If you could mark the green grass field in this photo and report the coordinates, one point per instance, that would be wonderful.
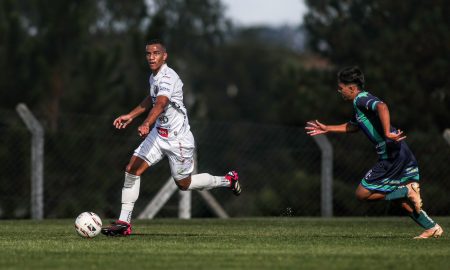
(263, 243)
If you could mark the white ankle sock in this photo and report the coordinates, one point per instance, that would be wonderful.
(130, 193)
(207, 181)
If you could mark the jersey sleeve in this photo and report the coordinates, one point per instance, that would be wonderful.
(166, 86)
(368, 102)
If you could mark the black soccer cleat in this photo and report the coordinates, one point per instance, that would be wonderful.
(117, 228)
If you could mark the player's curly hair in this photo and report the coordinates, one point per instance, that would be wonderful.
(351, 75)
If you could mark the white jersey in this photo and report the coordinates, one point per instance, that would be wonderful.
(173, 121)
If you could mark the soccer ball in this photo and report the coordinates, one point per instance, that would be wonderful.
(88, 224)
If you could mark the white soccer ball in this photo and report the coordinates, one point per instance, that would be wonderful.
(88, 224)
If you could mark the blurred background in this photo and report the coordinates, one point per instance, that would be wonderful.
(254, 72)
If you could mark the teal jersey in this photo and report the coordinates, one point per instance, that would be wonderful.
(366, 118)
(397, 165)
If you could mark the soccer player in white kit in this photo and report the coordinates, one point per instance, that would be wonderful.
(167, 133)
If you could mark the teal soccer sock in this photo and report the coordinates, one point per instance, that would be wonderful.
(423, 220)
(399, 193)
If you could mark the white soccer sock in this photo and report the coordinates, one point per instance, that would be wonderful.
(130, 193)
(207, 181)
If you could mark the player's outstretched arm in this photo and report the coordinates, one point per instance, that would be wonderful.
(124, 120)
(385, 119)
(314, 128)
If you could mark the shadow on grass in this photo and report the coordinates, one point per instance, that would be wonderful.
(168, 234)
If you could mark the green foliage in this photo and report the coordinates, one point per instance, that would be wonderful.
(401, 46)
(87, 57)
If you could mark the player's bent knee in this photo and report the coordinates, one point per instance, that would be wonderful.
(361, 196)
(184, 183)
(136, 166)
(132, 170)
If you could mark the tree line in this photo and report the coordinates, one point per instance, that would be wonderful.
(87, 58)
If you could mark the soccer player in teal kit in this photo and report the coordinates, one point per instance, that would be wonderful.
(396, 174)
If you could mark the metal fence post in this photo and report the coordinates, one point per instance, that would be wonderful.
(326, 175)
(159, 200)
(37, 160)
(446, 135)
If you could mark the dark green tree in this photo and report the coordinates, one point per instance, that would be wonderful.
(402, 46)
(66, 56)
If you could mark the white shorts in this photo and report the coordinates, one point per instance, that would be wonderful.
(179, 150)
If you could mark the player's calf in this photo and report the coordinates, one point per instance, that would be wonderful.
(414, 196)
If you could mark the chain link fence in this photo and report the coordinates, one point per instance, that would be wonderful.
(279, 166)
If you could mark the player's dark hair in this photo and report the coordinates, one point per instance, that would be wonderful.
(156, 41)
(351, 75)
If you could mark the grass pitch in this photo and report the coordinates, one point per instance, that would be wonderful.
(262, 243)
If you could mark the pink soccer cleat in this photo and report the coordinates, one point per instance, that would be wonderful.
(233, 177)
(117, 228)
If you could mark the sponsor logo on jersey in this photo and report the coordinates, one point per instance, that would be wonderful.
(163, 132)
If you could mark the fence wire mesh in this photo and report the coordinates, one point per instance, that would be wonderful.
(279, 166)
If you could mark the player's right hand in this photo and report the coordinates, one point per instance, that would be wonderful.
(314, 128)
(122, 121)
(144, 130)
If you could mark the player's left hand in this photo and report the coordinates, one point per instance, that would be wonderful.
(143, 130)
(396, 136)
